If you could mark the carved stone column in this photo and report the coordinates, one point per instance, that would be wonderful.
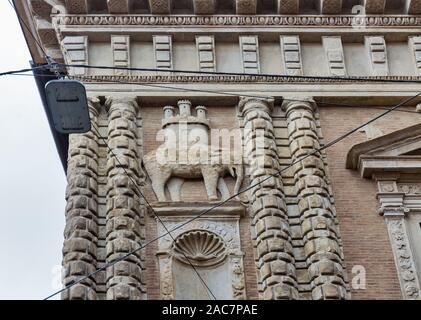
(125, 208)
(319, 230)
(272, 238)
(394, 210)
(81, 230)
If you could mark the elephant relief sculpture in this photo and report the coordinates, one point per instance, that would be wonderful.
(213, 164)
(173, 174)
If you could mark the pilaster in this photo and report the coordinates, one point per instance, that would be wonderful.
(125, 208)
(270, 227)
(394, 210)
(81, 229)
(317, 216)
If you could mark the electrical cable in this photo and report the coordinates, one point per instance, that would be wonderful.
(16, 72)
(52, 64)
(259, 75)
(81, 78)
(153, 210)
(318, 150)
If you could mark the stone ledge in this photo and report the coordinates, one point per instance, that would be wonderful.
(231, 208)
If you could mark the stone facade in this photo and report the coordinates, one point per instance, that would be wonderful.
(307, 221)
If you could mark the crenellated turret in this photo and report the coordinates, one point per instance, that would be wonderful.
(187, 127)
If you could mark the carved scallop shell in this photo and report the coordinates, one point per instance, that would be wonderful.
(201, 248)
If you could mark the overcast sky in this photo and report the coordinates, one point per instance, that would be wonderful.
(32, 180)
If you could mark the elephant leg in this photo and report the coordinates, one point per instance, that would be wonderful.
(174, 186)
(223, 188)
(158, 184)
(210, 177)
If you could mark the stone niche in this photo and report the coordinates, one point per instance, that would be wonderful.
(210, 243)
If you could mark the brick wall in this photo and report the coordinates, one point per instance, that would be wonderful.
(364, 233)
(220, 117)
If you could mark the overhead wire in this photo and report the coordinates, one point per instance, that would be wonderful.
(253, 75)
(279, 172)
(219, 92)
(153, 211)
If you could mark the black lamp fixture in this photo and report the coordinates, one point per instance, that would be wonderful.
(68, 106)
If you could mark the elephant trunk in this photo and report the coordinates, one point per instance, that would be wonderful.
(238, 172)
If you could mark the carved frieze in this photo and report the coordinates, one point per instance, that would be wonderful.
(410, 188)
(234, 20)
(403, 257)
(234, 79)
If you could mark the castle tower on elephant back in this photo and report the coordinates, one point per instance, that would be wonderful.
(185, 128)
(289, 221)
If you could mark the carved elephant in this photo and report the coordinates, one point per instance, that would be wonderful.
(212, 175)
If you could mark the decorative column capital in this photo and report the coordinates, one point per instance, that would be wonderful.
(291, 103)
(391, 199)
(247, 104)
(121, 103)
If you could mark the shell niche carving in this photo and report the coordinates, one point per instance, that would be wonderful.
(202, 248)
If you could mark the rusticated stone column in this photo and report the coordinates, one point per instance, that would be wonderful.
(270, 227)
(125, 209)
(81, 230)
(317, 216)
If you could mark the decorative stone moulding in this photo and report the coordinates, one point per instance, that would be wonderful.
(385, 159)
(234, 20)
(201, 248)
(203, 7)
(236, 79)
